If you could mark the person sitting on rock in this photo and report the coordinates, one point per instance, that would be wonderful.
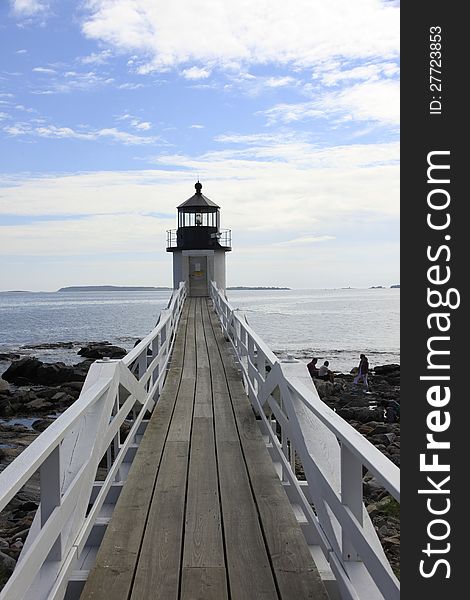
(312, 368)
(324, 372)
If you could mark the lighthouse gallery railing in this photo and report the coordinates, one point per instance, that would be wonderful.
(68, 455)
(297, 424)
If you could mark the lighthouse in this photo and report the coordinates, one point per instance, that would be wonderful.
(199, 245)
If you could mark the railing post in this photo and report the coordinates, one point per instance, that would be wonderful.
(156, 371)
(142, 363)
(351, 495)
(50, 478)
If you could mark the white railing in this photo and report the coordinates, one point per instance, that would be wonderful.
(85, 441)
(329, 504)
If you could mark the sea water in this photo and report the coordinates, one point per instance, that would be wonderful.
(333, 324)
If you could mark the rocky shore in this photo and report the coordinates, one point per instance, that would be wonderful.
(375, 414)
(33, 393)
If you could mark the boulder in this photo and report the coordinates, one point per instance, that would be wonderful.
(5, 407)
(38, 404)
(7, 563)
(41, 425)
(9, 356)
(54, 373)
(363, 415)
(30, 370)
(387, 369)
(324, 388)
(382, 438)
(23, 370)
(97, 350)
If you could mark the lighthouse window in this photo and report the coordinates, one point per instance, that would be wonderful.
(198, 219)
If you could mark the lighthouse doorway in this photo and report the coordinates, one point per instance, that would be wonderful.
(198, 276)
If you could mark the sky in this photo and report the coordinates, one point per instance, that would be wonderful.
(287, 112)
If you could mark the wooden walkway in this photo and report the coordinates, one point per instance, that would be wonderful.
(203, 514)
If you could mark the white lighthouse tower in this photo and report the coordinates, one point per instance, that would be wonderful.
(199, 245)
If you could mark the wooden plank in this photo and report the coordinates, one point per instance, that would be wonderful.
(249, 568)
(295, 572)
(116, 561)
(158, 569)
(180, 428)
(204, 583)
(159, 566)
(203, 544)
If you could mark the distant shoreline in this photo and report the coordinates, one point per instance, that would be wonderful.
(260, 287)
(111, 288)
(117, 288)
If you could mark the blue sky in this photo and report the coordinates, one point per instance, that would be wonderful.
(287, 112)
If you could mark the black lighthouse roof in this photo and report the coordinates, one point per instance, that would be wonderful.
(198, 201)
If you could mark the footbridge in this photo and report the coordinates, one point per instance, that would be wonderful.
(200, 466)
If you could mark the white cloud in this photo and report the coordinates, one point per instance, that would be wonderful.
(343, 200)
(348, 180)
(372, 101)
(307, 239)
(22, 51)
(196, 126)
(130, 86)
(142, 125)
(28, 8)
(44, 70)
(54, 132)
(275, 82)
(23, 108)
(135, 122)
(87, 236)
(196, 73)
(62, 83)
(226, 33)
(367, 72)
(3, 115)
(96, 58)
(17, 129)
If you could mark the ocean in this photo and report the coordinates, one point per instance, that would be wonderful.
(334, 324)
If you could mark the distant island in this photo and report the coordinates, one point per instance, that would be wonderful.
(397, 285)
(376, 287)
(244, 287)
(111, 288)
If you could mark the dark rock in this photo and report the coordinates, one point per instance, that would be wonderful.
(75, 386)
(97, 350)
(39, 404)
(386, 369)
(7, 563)
(54, 373)
(41, 425)
(382, 438)
(30, 370)
(5, 407)
(324, 388)
(9, 356)
(380, 428)
(22, 370)
(52, 346)
(363, 415)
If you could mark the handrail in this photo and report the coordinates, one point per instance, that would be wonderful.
(70, 451)
(298, 425)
